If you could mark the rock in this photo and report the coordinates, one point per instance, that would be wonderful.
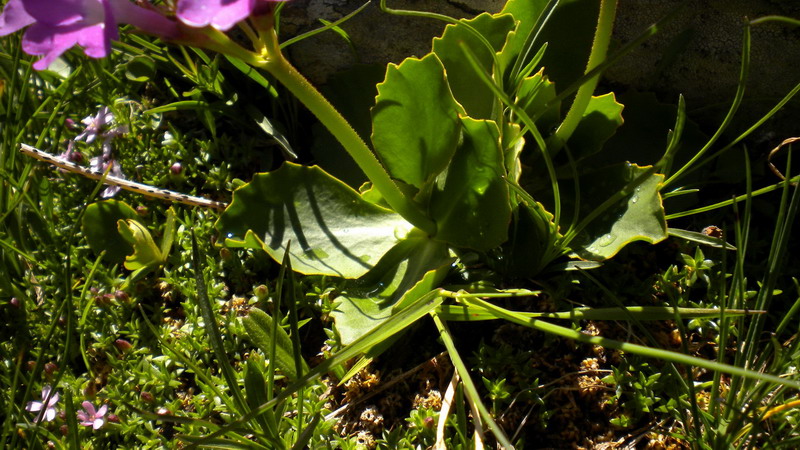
(697, 54)
(376, 37)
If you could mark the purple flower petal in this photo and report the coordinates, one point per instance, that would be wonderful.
(220, 14)
(34, 406)
(51, 42)
(91, 417)
(14, 18)
(57, 25)
(47, 412)
(62, 12)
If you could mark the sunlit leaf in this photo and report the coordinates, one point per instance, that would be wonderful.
(146, 253)
(639, 216)
(332, 230)
(259, 329)
(470, 201)
(415, 126)
(476, 98)
(412, 269)
(99, 225)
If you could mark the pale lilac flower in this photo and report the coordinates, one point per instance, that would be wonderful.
(94, 125)
(90, 417)
(100, 164)
(58, 25)
(97, 126)
(220, 14)
(46, 408)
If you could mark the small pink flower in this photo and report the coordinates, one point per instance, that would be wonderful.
(90, 417)
(46, 408)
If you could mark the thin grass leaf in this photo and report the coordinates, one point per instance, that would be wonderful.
(649, 352)
(471, 313)
(469, 386)
(210, 324)
(700, 238)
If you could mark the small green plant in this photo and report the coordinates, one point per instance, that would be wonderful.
(487, 162)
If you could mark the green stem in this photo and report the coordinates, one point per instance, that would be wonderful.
(309, 96)
(602, 37)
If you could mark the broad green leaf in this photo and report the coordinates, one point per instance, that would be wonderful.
(412, 269)
(415, 126)
(99, 225)
(639, 216)
(468, 89)
(146, 254)
(259, 329)
(470, 201)
(600, 121)
(332, 230)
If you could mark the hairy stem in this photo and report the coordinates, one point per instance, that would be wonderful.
(602, 37)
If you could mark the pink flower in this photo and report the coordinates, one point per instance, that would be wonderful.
(90, 417)
(220, 14)
(46, 408)
(58, 25)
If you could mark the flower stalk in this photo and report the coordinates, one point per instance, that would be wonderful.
(602, 38)
(296, 83)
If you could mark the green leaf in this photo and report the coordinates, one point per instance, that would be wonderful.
(169, 234)
(526, 13)
(639, 216)
(412, 269)
(140, 68)
(470, 202)
(468, 89)
(700, 238)
(146, 254)
(533, 94)
(332, 229)
(99, 225)
(415, 126)
(600, 121)
(532, 241)
(259, 328)
(271, 130)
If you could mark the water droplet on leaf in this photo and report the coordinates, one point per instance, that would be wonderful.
(605, 240)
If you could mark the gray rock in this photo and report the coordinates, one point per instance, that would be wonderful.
(376, 37)
(697, 54)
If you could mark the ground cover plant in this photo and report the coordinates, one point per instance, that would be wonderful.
(179, 273)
